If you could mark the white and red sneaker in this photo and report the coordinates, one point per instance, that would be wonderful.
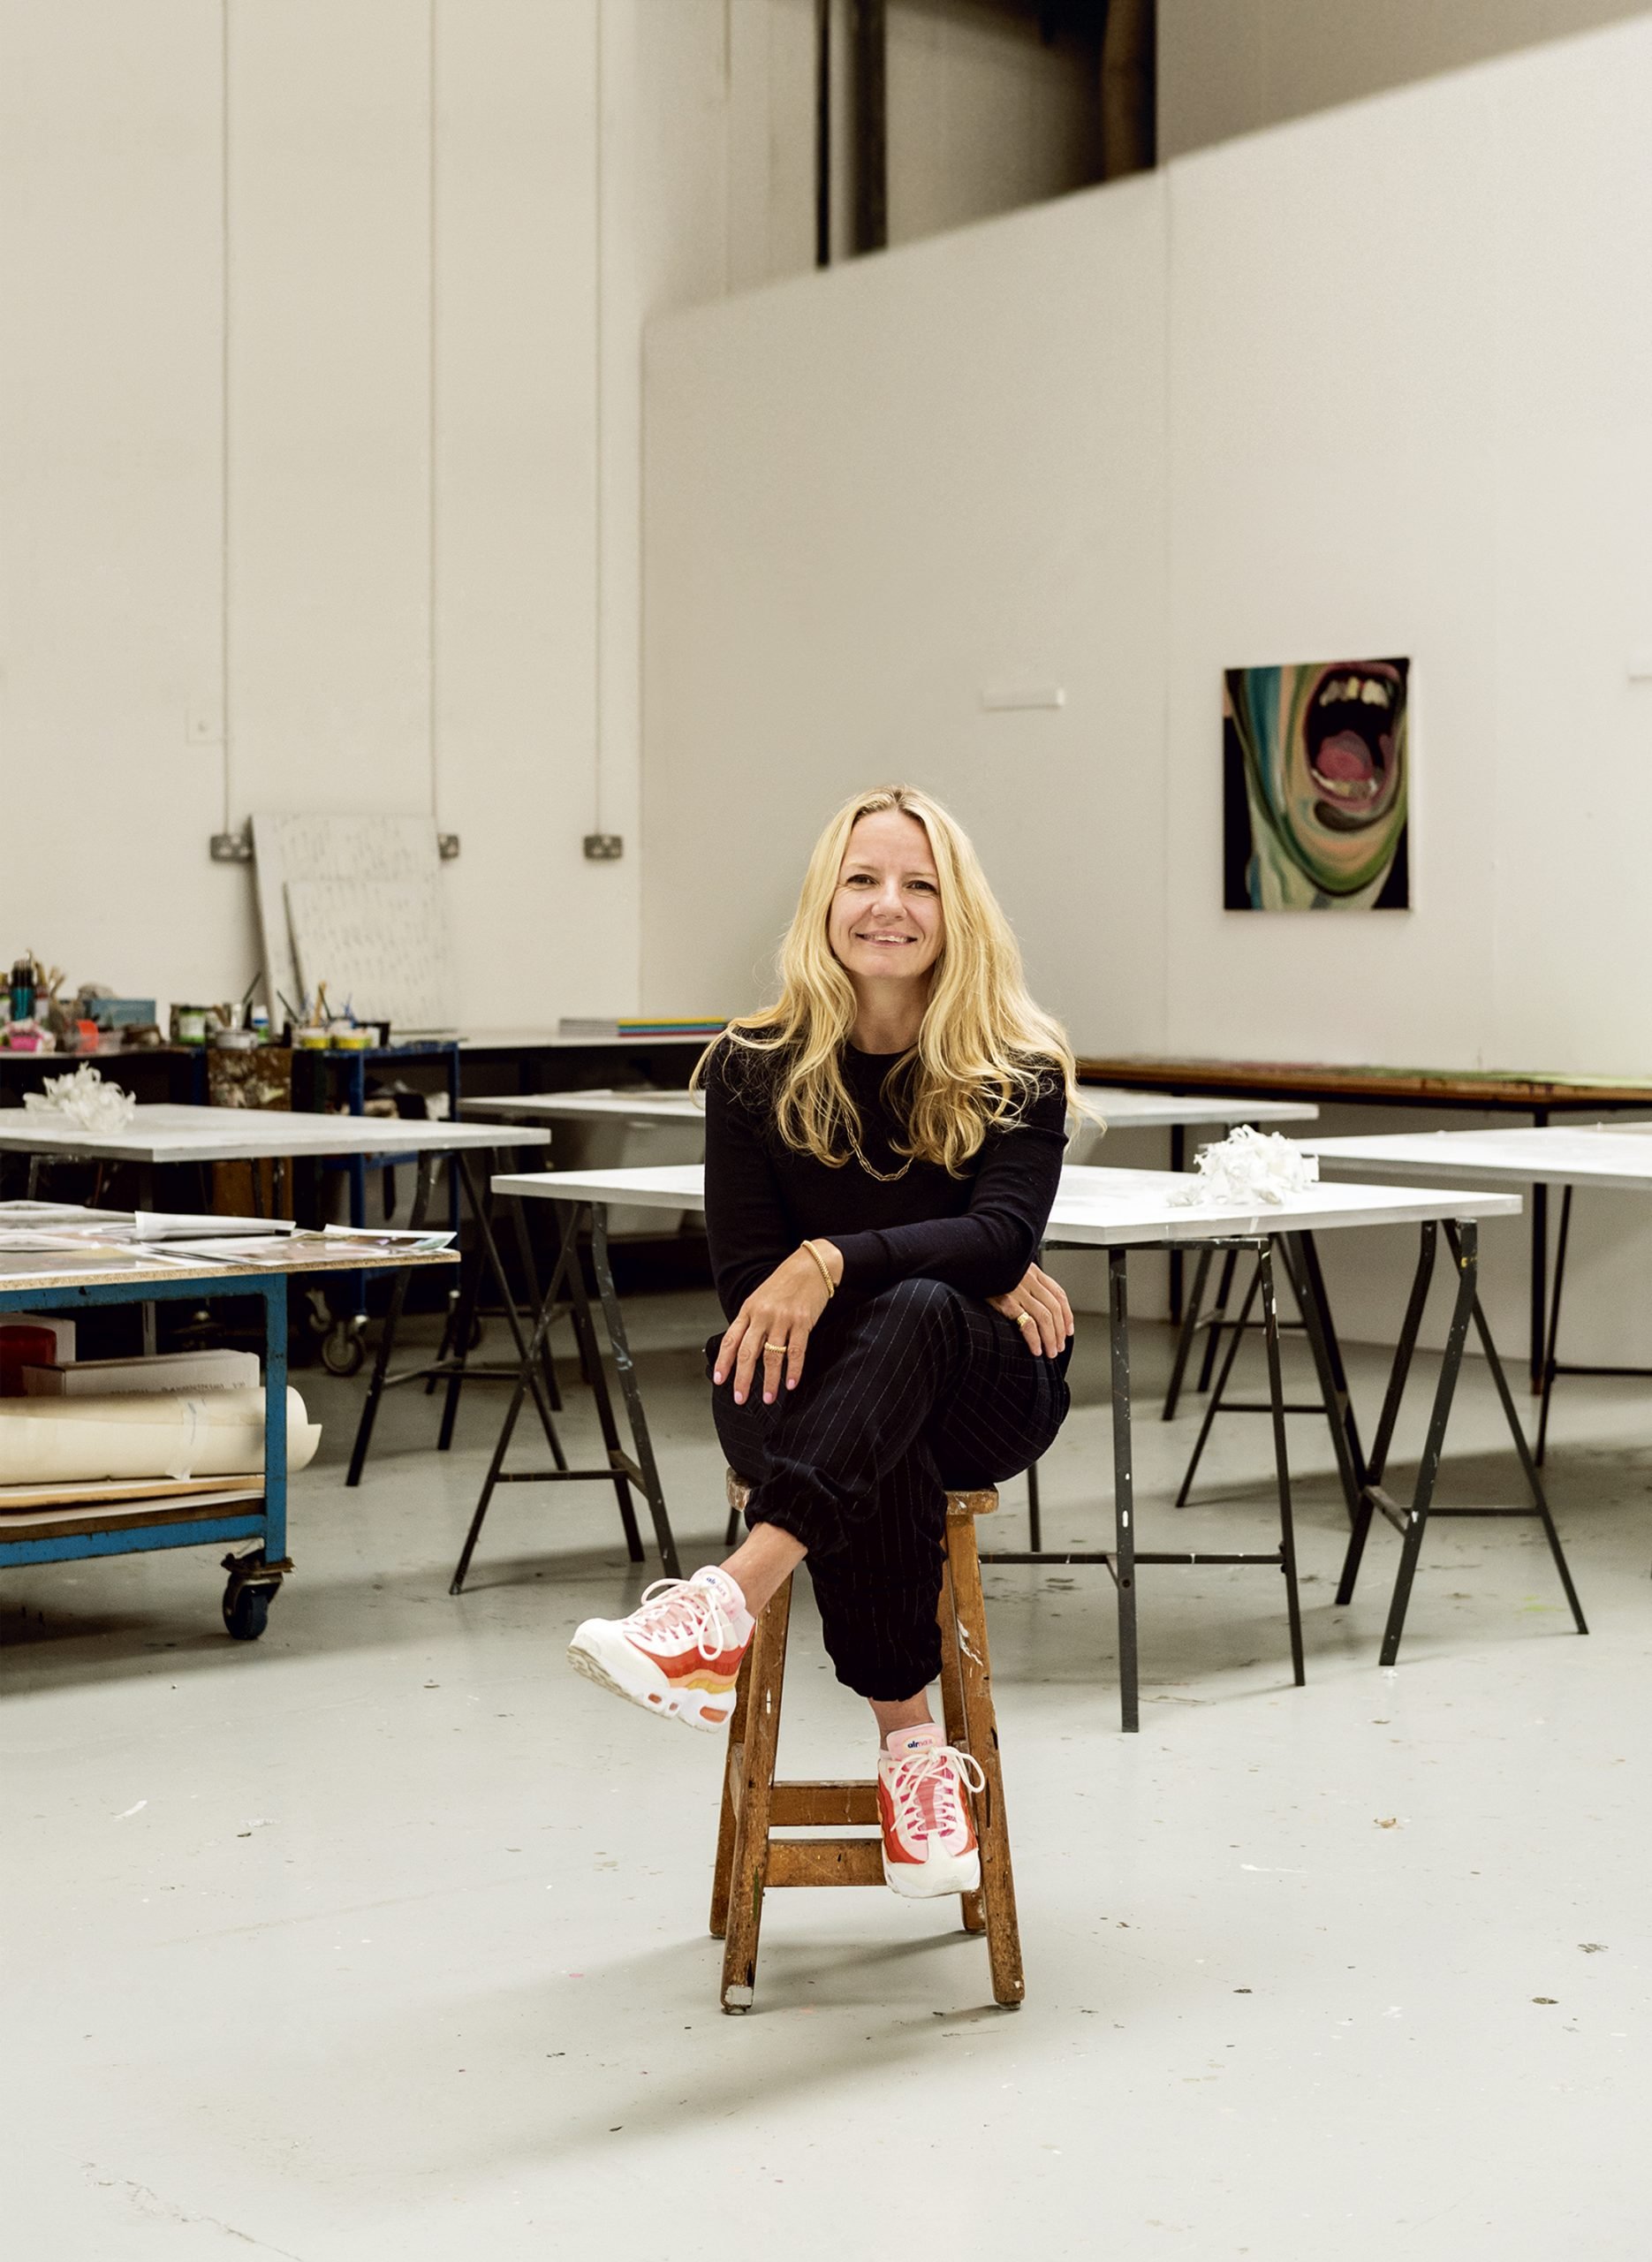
(928, 1833)
(679, 1651)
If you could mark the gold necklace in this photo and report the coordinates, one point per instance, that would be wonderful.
(883, 1177)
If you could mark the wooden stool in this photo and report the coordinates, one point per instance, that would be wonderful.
(751, 1859)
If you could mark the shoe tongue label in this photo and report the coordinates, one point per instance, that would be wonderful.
(909, 1740)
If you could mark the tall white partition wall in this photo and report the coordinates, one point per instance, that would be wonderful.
(1406, 349)
(874, 500)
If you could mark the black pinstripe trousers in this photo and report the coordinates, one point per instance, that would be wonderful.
(905, 1395)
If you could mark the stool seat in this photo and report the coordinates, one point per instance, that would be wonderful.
(751, 1859)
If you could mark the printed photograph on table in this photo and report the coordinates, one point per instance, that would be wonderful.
(1315, 787)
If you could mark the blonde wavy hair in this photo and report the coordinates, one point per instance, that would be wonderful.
(984, 1048)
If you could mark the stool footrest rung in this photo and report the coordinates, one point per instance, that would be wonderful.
(822, 1806)
(824, 1861)
(753, 1852)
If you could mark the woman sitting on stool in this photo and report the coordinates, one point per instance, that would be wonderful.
(883, 1146)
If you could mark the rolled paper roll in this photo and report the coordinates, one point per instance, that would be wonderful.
(172, 1434)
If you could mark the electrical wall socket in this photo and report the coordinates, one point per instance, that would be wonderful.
(603, 848)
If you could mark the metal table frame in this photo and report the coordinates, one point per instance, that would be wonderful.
(624, 1470)
(1124, 1559)
(1362, 1476)
(452, 1363)
(1542, 1099)
(264, 1563)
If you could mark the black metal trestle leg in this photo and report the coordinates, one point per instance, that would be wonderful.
(1185, 1333)
(1539, 1498)
(625, 1367)
(1368, 1479)
(1214, 1404)
(1551, 1339)
(501, 1444)
(1281, 1461)
(1219, 1317)
(1412, 1522)
(452, 1356)
(387, 1335)
(1124, 1492)
(591, 1362)
(1433, 1443)
(620, 1469)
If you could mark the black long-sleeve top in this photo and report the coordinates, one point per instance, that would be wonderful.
(979, 1232)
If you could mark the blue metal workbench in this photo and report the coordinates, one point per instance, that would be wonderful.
(255, 1526)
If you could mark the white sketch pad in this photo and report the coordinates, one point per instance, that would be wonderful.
(325, 847)
(379, 946)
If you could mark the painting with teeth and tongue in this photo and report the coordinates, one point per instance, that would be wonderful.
(1314, 787)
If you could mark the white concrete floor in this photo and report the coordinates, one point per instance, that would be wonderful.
(384, 1937)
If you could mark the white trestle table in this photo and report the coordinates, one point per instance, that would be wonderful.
(69, 1523)
(1179, 1112)
(1118, 1211)
(165, 1133)
(1120, 1110)
(1610, 1157)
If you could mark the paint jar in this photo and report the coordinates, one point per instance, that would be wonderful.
(311, 1039)
(189, 1024)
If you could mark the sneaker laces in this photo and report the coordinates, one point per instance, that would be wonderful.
(926, 1780)
(686, 1607)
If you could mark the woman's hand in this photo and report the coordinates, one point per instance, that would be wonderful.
(1039, 1307)
(773, 1325)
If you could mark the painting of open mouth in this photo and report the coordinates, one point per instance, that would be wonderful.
(1315, 787)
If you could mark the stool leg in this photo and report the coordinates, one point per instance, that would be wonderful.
(723, 1872)
(998, 1876)
(952, 1712)
(750, 1865)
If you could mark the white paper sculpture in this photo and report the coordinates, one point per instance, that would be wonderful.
(1248, 1168)
(86, 1099)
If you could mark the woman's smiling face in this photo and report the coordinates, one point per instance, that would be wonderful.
(885, 922)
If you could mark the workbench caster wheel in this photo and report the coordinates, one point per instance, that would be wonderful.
(343, 1347)
(245, 1611)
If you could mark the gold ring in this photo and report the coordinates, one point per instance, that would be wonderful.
(774, 1347)
(1026, 1319)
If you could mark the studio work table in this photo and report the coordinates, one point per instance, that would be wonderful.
(250, 1513)
(1611, 1158)
(1121, 1111)
(1488, 1092)
(165, 1132)
(1118, 1211)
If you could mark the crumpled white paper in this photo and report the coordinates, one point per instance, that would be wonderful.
(1248, 1169)
(86, 1099)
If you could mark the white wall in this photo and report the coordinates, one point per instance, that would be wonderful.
(870, 495)
(1408, 361)
(320, 430)
(1231, 66)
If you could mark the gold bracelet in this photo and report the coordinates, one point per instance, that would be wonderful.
(831, 1286)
